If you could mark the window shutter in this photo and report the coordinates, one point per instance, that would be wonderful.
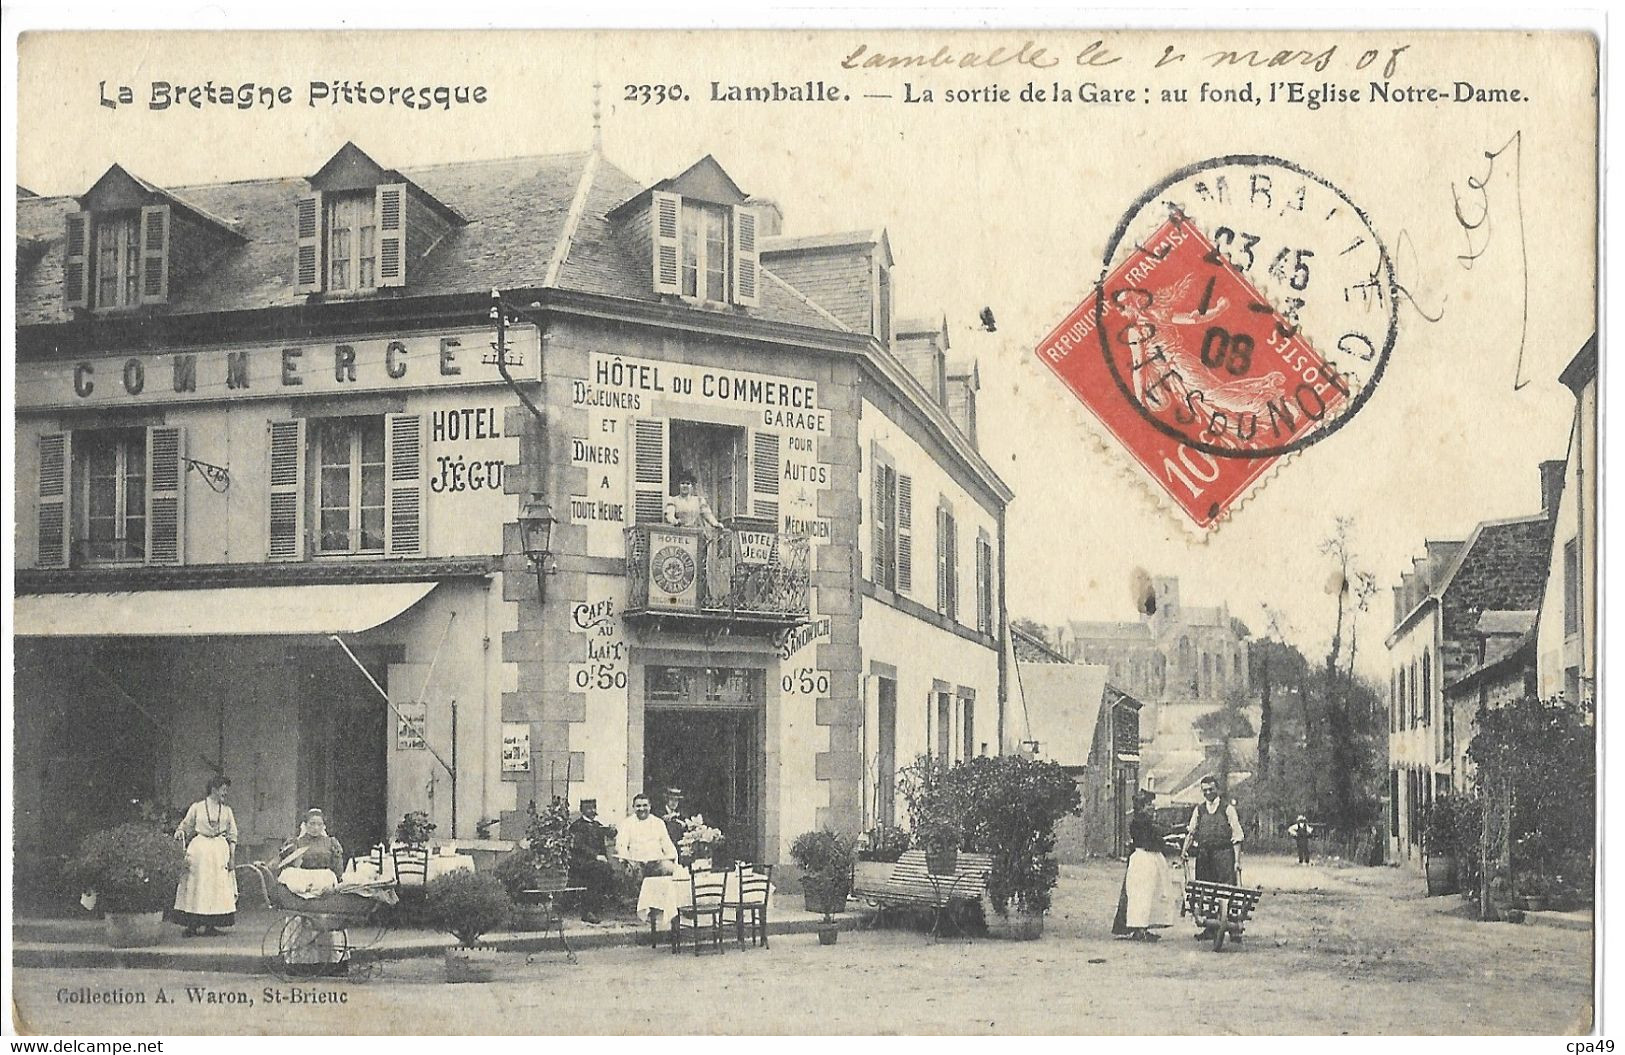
(747, 265)
(942, 561)
(307, 265)
(952, 558)
(391, 203)
(55, 484)
(905, 533)
(665, 232)
(287, 498)
(880, 514)
(155, 254)
(649, 491)
(166, 491)
(75, 270)
(403, 467)
(765, 470)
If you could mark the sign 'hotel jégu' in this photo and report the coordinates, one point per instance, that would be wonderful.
(315, 368)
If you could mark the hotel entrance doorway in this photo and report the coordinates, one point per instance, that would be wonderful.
(703, 731)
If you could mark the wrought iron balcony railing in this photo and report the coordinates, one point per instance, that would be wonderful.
(749, 576)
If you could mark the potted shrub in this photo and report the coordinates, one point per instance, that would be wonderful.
(467, 905)
(414, 829)
(1439, 839)
(825, 859)
(132, 871)
(519, 872)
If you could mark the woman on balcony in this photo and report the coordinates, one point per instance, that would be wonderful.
(688, 508)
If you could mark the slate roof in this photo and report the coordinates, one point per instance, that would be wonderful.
(1030, 649)
(1082, 631)
(518, 211)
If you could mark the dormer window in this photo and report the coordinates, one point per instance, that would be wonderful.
(117, 254)
(704, 251)
(352, 241)
(362, 225)
(117, 259)
(352, 244)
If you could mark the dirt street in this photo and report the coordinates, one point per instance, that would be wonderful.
(1333, 950)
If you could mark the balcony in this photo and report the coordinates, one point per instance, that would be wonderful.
(738, 577)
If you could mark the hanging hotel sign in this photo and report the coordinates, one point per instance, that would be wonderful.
(674, 570)
(312, 368)
(756, 547)
(411, 727)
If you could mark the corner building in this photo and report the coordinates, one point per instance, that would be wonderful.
(270, 472)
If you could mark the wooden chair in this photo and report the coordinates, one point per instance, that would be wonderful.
(411, 870)
(706, 890)
(750, 899)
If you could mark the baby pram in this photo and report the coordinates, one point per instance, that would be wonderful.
(316, 936)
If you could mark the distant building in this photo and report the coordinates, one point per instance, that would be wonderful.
(1460, 617)
(1181, 661)
(1566, 636)
(1070, 713)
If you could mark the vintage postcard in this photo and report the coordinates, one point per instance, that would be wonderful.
(998, 531)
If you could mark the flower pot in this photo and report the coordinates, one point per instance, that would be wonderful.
(478, 964)
(1016, 925)
(942, 862)
(1441, 874)
(131, 930)
(828, 933)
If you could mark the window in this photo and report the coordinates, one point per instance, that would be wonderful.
(1571, 586)
(1427, 688)
(114, 480)
(1393, 702)
(111, 495)
(891, 512)
(886, 753)
(1401, 716)
(984, 584)
(967, 719)
(704, 251)
(116, 260)
(1416, 711)
(737, 470)
(947, 562)
(352, 245)
(349, 454)
(945, 726)
(346, 485)
(352, 241)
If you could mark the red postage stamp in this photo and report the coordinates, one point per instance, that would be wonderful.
(1187, 364)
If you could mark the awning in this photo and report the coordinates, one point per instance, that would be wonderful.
(1063, 706)
(229, 612)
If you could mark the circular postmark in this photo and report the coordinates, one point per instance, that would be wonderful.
(1246, 307)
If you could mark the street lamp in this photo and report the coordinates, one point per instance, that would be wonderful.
(536, 533)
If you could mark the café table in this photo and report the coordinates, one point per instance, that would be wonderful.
(660, 897)
(362, 869)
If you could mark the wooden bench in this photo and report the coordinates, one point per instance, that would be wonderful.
(910, 885)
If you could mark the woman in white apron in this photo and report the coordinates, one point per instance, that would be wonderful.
(1147, 899)
(207, 896)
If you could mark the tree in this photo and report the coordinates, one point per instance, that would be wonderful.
(1033, 628)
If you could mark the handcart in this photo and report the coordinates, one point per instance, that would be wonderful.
(1219, 910)
(320, 936)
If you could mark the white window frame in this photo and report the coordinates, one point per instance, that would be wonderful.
(702, 251)
(363, 206)
(123, 441)
(356, 467)
(129, 263)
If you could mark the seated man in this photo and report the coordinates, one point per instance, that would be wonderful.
(589, 861)
(642, 841)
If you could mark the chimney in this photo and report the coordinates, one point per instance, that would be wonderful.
(770, 218)
(1551, 485)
